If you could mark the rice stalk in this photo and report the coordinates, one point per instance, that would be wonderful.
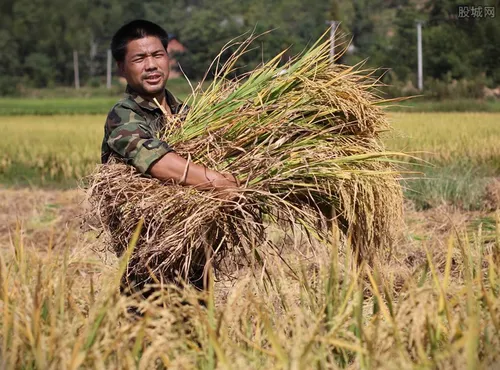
(257, 325)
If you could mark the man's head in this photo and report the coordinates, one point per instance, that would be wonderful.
(140, 51)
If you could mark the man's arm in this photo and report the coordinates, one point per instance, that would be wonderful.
(173, 167)
(130, 140)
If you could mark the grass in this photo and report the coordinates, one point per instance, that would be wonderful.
(67, 101)
(417, 104)
(462, 154)
(459, 183)
(56, 106)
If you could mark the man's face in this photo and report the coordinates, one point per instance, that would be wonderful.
(146, 66)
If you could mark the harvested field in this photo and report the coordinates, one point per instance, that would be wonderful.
(422, 309)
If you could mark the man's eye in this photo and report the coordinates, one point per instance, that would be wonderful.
(159, 55)
(137, 60)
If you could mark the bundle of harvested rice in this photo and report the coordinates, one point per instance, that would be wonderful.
(305, 142)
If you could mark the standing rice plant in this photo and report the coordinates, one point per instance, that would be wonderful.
(60, 308)
(304, 140)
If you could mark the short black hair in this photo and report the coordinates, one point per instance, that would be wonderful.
(134, 30)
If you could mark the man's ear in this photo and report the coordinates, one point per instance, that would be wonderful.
(121, 68)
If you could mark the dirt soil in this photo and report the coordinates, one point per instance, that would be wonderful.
(41, 218)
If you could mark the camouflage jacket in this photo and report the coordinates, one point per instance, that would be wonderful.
(131, 131)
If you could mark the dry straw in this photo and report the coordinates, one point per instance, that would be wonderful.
(304, 140)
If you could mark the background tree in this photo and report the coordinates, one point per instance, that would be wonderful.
(37, 37)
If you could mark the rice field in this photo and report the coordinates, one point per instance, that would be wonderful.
(434, 305)
(55, 150)
(462, 157)
(448, 137)
(44, 150)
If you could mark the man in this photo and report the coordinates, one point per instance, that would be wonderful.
(140, 51)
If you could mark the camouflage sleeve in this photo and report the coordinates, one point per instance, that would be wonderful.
(130, 138)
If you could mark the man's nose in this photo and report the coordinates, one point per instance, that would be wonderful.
(150, 63)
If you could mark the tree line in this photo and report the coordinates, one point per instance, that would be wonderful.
(38, 37)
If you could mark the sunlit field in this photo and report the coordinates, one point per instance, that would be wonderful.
(55, 150)
(49, 149)
(461, 153)
(434, 305)
(448, 137)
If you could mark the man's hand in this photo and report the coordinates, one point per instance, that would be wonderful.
(231, 193)
(223, 181)
(228, 192)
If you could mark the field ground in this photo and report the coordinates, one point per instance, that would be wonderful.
(67, 100)
(53, 216)
(434, 305)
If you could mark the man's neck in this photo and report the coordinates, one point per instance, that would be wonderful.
(162, 99)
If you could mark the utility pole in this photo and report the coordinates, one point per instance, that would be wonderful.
(333, 28)
(75, 68)
(108, 71)
(419, 51)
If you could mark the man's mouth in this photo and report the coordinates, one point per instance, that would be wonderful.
(153, 78)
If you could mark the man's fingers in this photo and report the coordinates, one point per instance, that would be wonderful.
(232, 178)
(228, 194)
(237, 180)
